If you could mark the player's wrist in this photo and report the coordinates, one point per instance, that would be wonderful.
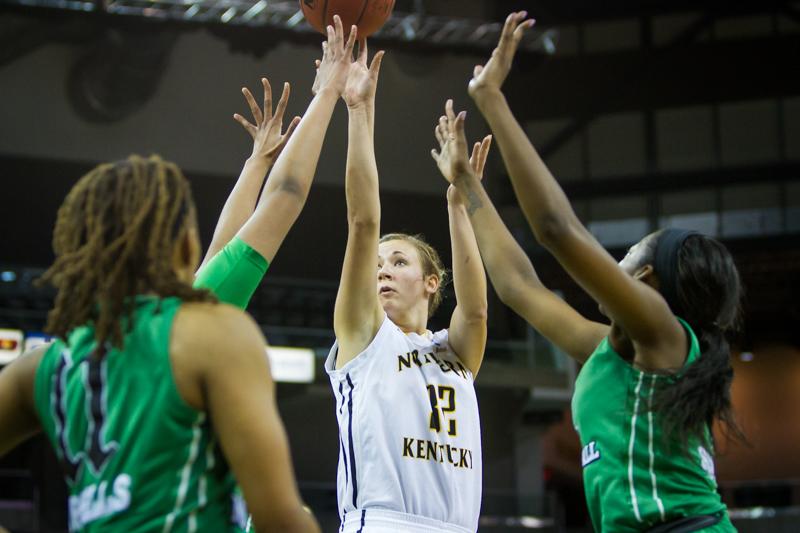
(484, 95)
(361, 107)
(259, 159)
(461, 178)
(329, 92)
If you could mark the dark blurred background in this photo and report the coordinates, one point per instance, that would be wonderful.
(650, 113)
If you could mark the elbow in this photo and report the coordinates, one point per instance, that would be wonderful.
(513, 290)
(294, 187)
(550, 229)
(477, 314)
(504, 292)
(508, 295)
(507, 282)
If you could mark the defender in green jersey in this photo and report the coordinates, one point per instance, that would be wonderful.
(653, 383)
(155, 396)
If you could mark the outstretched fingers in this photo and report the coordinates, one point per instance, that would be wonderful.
(375, 66)
(292, 125)
(519, 31)
(476, 150)
(449, 113)
(441, 131)
(249, 128)
(338, 32)
(283, 102)
(513, 30)
(457, 129)
(253, 105)
(329, 46)
(362, 52)
(267, 98)
(351, 42)
(480, 152)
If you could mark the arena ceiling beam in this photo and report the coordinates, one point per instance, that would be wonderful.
(661, 182)
(580, 11)
(20, 37)
(584, 87)
(452, 33)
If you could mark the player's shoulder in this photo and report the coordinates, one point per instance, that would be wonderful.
(211, 313)
(204, 326)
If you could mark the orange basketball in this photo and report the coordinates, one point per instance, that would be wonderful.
(368, 15)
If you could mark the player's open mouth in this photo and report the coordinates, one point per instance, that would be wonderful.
(386, 290)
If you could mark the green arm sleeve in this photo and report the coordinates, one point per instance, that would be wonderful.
(233, 274)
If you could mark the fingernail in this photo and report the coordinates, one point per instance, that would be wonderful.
(523, 13)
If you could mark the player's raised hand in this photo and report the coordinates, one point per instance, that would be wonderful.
(480, 151)
(268, 141)
(451, 157)
(362, 80)
(490, 77)
(337, 55)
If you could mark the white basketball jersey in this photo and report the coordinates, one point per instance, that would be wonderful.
(410, 439)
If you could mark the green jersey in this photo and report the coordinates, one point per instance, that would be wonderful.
(136, 457)
(633, 478)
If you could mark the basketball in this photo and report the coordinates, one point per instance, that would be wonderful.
(368, 15)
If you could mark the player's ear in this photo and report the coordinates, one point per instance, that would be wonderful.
(432, 284)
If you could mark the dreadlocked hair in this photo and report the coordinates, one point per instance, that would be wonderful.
(708, 297)
(114, 238)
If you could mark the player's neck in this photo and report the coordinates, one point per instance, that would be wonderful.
(413, 321)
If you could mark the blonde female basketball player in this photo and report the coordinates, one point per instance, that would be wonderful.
(410, 448)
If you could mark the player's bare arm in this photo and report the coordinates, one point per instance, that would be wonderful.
(268, 142)
(358, 313)
(290, 180)
(18, 419)
(467, 332)
(638, 309)
(219, 361)
(510, 270)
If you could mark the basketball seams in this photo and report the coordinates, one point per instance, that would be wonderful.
(367, 15)
(364, 5)
(324, 18)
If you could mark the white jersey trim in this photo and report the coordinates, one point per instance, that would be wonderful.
(634, 501)
(384, 520)
(183, 488)
(650, 449)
